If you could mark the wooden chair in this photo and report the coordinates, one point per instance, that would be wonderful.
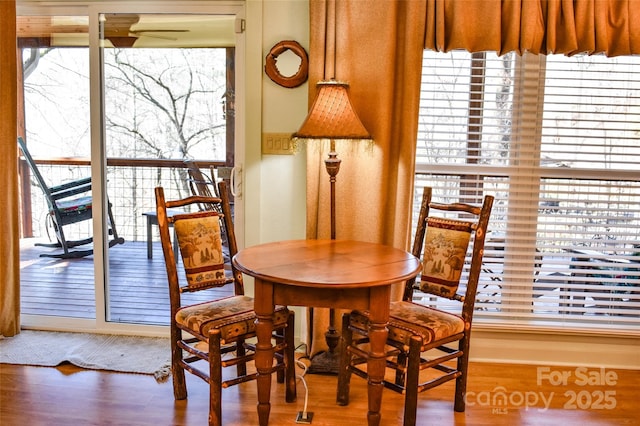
(68, 203)
(415, 329)
(217, 331)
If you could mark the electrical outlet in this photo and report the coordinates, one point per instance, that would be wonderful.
(304, 420)
(277, 144)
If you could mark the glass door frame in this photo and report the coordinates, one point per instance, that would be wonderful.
(98, 150)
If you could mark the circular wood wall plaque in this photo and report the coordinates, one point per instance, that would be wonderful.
(273, 72)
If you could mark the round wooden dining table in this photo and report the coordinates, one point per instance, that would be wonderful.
(330, 274)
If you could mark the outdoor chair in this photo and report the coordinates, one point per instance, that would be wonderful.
(68, 203)
(221, 331)
(201, 184)
(424, 337)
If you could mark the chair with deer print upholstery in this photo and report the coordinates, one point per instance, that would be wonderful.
(219, 331)
(442, 242)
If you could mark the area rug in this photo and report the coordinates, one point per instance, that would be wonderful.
(129, 354)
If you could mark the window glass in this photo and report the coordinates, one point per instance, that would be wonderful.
(555, 140)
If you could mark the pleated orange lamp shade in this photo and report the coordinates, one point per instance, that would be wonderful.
(332, 116)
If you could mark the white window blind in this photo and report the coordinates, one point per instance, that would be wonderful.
(557, 141)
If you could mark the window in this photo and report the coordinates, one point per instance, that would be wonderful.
(556, 140)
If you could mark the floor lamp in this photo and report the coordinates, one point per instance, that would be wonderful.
(332, 118)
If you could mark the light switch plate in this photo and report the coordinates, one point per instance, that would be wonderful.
(277, 144)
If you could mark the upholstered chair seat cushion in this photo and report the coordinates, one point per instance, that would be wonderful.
(233, 316)
(75, 205)
(408, 319)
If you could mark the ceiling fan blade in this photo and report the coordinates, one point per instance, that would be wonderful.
(119, 25)
(137, 34)
(158, 31)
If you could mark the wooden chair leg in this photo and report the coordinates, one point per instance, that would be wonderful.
(241, 368)
(177, 371)
(281, 374)
(281, 337)
(461, 381)
(215, 379)
(290, 359)
(401, 372)
(344, 374)
(411, 385)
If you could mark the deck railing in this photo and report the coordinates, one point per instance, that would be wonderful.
(130, 188)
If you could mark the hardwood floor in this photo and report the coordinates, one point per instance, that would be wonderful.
(67, 395)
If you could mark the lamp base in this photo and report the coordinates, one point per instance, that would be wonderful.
(325, 363)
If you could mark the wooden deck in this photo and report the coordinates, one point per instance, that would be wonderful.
(138, 291)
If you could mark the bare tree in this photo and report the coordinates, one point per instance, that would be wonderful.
(170, 107)
(163, 104)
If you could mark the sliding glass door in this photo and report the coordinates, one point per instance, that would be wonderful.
(123, 93)
(166, 82)
(55, 125)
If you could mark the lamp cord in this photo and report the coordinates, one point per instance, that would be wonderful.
(306, 388)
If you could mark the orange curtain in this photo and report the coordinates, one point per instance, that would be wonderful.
(566, 27)
(381, 60)
(9, 243)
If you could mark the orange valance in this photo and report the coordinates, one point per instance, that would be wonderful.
(565, 27)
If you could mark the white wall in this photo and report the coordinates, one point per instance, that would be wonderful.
(274, 185)
(283, 177)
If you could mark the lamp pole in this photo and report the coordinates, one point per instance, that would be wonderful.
(332, 165)
(331, 117)
(332, 337)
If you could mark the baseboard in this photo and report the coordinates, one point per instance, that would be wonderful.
(545, 348)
